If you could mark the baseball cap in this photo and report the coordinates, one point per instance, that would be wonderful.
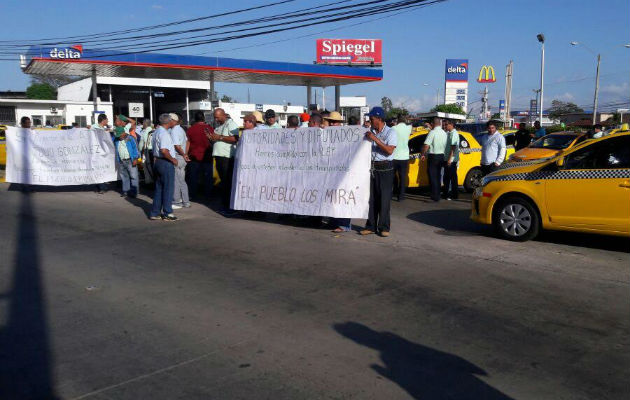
(377, 112)
(174, 116)
(251, 118)
(259, 116)
(270, 114)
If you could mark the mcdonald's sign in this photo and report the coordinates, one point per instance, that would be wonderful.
(486, 74)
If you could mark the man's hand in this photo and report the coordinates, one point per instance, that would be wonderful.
(496, 164)
(186, 158)
(423, 157)
(449, 162)
(174, 161)
(370, 136)
(134, 162)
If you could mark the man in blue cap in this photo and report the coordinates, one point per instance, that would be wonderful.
(384, 140)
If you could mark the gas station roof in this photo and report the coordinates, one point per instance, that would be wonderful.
(75, 61)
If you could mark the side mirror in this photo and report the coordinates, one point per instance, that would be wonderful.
(560, 162)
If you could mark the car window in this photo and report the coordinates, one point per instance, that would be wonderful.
(510, 138)
(612, 153)
(463, 143)
(415, 144)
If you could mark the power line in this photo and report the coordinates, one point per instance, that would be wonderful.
(121, 32)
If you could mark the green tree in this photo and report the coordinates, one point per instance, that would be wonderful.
(559, 108)
(227, 99)
(41, 91)
(387, 105)
(448, 108)
(396, 111)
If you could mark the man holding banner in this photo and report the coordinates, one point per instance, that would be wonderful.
(384, 140)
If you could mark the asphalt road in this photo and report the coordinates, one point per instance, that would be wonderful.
(97, 302)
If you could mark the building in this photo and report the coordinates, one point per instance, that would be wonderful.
(50, 113)
(585, 119)
(353, 106)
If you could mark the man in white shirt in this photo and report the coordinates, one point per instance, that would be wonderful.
(164, 167)
(180, 141)
(492, 149)
(224, 138)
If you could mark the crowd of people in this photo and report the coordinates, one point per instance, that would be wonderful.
(176, 160)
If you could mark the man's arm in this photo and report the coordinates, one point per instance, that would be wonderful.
(167, 154)
(388, 149)
(451, 154)
(502, 150)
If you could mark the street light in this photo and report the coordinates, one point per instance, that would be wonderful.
(595, 97)
(541, 39)
(437, 94)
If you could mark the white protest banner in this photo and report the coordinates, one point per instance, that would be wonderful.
(305, 171)
(60, 157)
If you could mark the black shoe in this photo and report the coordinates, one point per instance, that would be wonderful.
(123, 194)
(169, 217)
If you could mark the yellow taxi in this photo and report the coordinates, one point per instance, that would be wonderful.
(469, 170)
(585, 189)
(548, 146)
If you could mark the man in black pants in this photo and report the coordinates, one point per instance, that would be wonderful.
(224, 138)
(450, 190)
(384, 141)
(435, 146)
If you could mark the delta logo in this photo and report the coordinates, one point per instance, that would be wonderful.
(72, 52)
(458, 69)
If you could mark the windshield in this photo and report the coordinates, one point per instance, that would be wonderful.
(555, 142)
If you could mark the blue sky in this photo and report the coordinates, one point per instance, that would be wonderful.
(415, 44)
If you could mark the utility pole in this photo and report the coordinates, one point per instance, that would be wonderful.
(508, 90)
(541, 39)
(248, 97)
(484, 103)
(596, 90)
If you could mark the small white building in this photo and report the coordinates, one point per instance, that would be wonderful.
(238, 110)
(51, 112)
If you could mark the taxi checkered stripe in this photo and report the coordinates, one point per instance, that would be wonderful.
(468, 150)
(579, 174)
(517, 164)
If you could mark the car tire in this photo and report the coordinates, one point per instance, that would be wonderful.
(515, 218)
(473, 179)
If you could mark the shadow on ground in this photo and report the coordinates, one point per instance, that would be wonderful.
(25, 359)
(423, 372)
(450, 222)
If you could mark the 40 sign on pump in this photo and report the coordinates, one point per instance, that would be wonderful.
(350, 51)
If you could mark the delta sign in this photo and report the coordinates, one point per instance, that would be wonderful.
(350, 51)
(456, 83)
(72, 52)
(456, 70)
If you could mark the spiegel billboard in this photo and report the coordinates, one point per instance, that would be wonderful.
(350, 51)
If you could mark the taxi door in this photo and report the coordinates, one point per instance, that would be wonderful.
(417, 175)
(592, 189)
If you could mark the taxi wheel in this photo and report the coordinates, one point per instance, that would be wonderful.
(473, 180)
(516, 219)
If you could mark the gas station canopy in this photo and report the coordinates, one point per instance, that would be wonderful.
(75, 61)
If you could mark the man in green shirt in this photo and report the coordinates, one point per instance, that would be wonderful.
(224, 138)
(401, 157)
(451, 162)
(435, 146)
